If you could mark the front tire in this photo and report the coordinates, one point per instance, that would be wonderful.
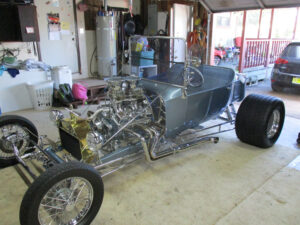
(259, 120)
(68, 193)
(12, 126)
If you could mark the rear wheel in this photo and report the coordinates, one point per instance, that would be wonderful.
(68, 193)
(19, 130)
(260, 120)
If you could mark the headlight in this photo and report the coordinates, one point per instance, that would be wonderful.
(94, 140)
(55, 115)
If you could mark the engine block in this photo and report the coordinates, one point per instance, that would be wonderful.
(128, 100)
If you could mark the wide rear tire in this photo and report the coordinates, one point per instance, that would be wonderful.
(68, 193)
(259, 120)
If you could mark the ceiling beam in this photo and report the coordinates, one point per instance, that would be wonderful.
(203, 3)
(261, 4)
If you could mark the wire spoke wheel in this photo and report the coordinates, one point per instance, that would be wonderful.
(19, 131)
(66, 194)
(67, 202)
(13, 133)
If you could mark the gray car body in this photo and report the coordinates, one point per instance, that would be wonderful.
(187, 107)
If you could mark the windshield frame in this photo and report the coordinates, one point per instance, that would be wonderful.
(184, 86)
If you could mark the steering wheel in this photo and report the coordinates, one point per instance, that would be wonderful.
(194, 80)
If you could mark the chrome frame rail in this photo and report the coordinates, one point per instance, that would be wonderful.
(149, 152)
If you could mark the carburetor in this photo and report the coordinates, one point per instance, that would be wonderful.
(120, 89)
(128, 100)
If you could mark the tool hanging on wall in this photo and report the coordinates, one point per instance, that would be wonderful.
(8, 56)
(196, 41)
(196, 37)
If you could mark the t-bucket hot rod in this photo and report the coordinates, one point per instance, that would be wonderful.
(152, 117)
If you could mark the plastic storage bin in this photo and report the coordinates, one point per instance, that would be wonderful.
(144, 58)
(41, 95)
(61, 75)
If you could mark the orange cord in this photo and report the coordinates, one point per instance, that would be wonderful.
(192, 38)
(195, 38)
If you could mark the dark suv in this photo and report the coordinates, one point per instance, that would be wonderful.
(286, 72)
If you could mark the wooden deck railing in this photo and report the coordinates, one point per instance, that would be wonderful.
(277, 48)
(262, 52)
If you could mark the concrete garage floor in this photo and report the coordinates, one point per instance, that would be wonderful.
(225, 183)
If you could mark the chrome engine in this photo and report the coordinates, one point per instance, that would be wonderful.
(118, 123)
(128, 100)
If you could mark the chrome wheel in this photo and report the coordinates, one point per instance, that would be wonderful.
(273, 124)
(16, 134)
(67, 202)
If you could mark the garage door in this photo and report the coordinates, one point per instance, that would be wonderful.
(234, 5)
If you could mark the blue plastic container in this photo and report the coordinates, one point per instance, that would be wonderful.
(143, 58)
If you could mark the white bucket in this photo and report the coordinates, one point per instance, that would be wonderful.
(61, 75)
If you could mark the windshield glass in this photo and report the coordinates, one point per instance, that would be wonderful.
(158, 58)
(292, 51)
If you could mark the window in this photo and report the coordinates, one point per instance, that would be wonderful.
(284, 23)
(252, 23)
(292, 51)
(265, 23)
(223, 19)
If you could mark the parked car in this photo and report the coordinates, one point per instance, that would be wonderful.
(286, 71)
(149, 118)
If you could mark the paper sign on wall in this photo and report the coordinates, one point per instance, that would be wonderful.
(54, 26)
(65, 28)
(30, 30)
(65, 25)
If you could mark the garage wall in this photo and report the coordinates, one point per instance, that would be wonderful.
(57, 53)
(14, 94)
(13, 91)
(26, 49)
(90, 47)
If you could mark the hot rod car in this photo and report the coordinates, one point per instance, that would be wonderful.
(152, 117)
